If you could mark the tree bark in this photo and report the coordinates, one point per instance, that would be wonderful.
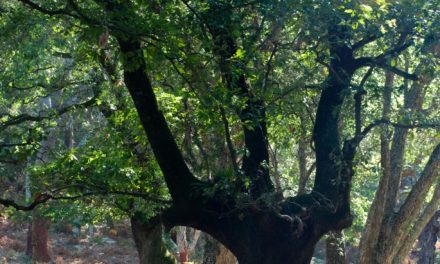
(377, 209)
(40, 239)
(417, 229)
(387, 245)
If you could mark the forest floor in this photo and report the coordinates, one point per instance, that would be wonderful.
(115, 247)
(107, 246)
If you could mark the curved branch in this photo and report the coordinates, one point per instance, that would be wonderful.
(49, 12)
(16, 120)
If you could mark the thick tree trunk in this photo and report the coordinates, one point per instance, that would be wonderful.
(335, 248)
(427, 241)
(148, 240)
(265, 238)
(40, 239)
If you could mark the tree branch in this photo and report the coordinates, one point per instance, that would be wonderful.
(179, 178)
(365, 41)
(229, 144)
(380, 61)
(408, 126)
(49, 12)
(15, 120)
(39, 200)
(45, 197)
(358, 102)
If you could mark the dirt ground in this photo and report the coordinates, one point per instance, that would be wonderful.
(114, 247)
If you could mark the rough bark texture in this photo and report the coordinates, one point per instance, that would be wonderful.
(335, 248)
(40, 239)
(418, 226)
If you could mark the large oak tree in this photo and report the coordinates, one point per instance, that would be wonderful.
(229, 55)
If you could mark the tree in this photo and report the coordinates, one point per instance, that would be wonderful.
(388, 218)
(229, 56)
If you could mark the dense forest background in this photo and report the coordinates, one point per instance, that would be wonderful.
(270, 132)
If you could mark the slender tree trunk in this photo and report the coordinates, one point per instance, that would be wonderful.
(377, 210)
(388, 245)
(29, 240)
(302, 159)
(335, 248)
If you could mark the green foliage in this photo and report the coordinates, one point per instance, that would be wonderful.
(282, 47)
